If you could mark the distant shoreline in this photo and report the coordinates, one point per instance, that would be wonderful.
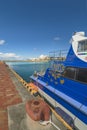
(24, 61)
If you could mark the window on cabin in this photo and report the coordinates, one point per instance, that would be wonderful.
(82, 75)
(69, 72)
(78, 74)
(82, 46)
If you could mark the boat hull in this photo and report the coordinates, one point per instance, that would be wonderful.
(78, 123)
(56, 101)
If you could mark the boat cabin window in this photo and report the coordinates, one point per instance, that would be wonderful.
(82, 75)
(82, 46)
(78, 74)
(69, 72)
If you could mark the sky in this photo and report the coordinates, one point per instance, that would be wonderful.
(31, 28)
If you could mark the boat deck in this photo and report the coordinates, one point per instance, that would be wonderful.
(13, 96)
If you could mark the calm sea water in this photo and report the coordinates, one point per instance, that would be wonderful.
(26, 69)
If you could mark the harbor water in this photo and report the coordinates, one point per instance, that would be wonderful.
(26, 69)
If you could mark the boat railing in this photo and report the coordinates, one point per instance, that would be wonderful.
(57, 59)
(58, 55)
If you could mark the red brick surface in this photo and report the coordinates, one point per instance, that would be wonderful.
(8, 95)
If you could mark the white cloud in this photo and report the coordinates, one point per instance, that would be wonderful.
(56, 38)
(2, 42)
(42, 56)
(5, 56)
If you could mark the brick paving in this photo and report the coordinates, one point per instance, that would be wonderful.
(8, 95)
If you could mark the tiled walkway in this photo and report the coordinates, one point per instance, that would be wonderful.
(8, 95)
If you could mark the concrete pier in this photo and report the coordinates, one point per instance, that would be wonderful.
(8, 95)
(12, 93)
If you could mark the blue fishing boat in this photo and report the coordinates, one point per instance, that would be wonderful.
(64, 85)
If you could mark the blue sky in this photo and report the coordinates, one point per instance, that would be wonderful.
(30, 28)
